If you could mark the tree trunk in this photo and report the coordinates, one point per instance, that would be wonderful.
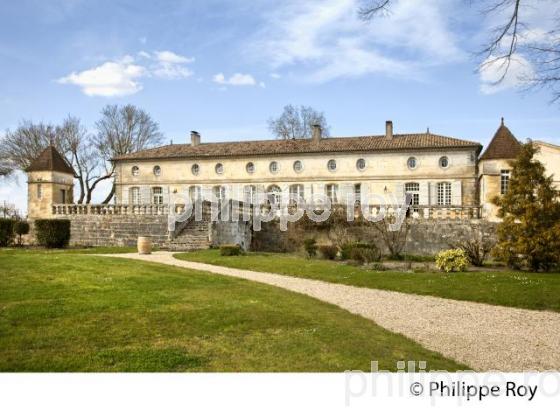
(110, 196)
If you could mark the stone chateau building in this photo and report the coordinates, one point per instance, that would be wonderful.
(450, 183)
(446, 177)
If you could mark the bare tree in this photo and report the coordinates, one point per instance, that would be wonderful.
(120, 131)
(297, 122)
(18, 148)
(76, 143)
(503, 45)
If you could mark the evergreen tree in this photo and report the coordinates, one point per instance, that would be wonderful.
(529, 235)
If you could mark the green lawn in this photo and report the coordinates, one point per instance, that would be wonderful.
(540, 291)
(61, 311)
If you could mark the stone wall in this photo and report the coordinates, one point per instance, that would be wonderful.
(116, 230)
(426, 237)
(239, 233)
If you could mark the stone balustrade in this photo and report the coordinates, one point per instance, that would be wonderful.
(89, 209)
(416, 211)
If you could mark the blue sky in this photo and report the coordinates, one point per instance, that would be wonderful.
(223, 68)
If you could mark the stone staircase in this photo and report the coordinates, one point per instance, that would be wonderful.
(190, 235)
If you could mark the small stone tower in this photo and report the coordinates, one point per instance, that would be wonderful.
(50, 180)
(494, 169)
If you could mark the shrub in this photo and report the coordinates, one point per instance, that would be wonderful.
(345, 251)
(52, 233)
(452, 260)
(329, 251)
(364, 254)
(360, 252)
(230, 250)
(310, 246)
(21, 228)
(6, 231)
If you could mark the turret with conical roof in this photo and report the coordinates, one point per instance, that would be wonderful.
(502, 146)
(494, 169)
(50, 180)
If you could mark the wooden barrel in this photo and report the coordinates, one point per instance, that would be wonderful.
(144, 245)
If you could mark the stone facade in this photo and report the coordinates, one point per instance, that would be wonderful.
(45, 188)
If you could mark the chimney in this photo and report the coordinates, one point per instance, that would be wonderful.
(316, 132)
(195, 138)
(389, 130)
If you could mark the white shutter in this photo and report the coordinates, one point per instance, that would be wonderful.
(124, 195)
(433, 193)
(424, 193)
(165, 194)
(345, 189)
(145, 195)
(307, 192)
(399, 192)
(456, 195)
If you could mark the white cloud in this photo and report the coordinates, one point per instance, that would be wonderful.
(329, 41)
(492, 77)
(276, 76)
(171, 58)
(110, 79)
(121, 77)
(237, 79)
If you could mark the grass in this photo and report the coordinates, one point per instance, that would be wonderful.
(539, 291)
(61, 311)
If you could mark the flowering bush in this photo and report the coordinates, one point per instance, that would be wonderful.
(452, 260)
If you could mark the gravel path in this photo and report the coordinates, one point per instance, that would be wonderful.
(484, 337)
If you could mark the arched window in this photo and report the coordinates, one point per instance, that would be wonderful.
(157, 195)
(274, 194)
(444, 193)
(135, 171)
(134, 196)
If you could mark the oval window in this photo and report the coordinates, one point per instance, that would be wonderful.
(157, 170)
(298, 166)
(331, 165)
(195, 169)
(444, 162)
(250, 167)
(219, 168)
(412, 163)
(361, 164)
(273, 167)
(135, 171)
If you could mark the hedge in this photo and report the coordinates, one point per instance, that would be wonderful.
(6, 231)
(52, 233)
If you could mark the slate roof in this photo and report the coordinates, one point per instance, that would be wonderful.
(503, 145)
(399, 142)
(50, 160)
